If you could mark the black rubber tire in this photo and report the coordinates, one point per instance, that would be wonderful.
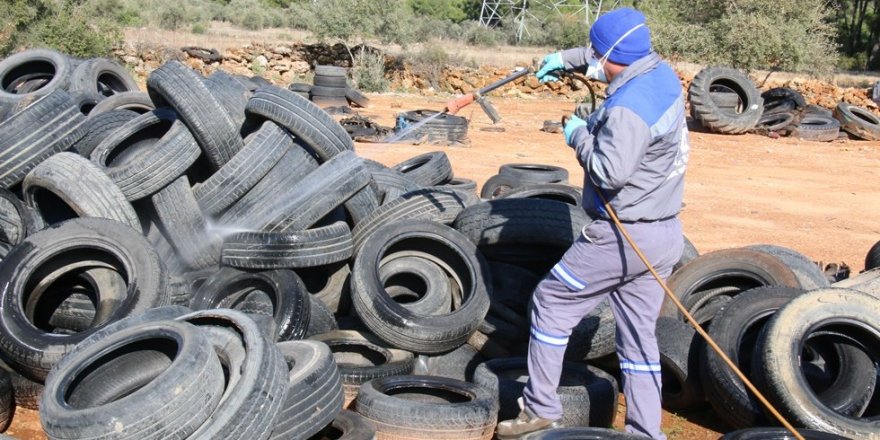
(67, 186)
(783, 100)
(428, 204)
(325, 70)
(121, 403)
(85, 102)
(333, 105)
(775, 121)
(464, 188)
(726, 99)
(513, 230)
(847, 312)
(16, 220)
(330, 81)
(316, 195)
(534, 173)
(361, 357)
(257, 383)
(101, 77)
(27, 139)
(348, 425)
(815, 110)
(300, 88)
(289, 300)
(305, 120)
(778, 434)
(707, 112)
(680, 364)
(442, 128)
(27, 393)
(184, 225)
(204, 54)
(99, 127)
(231, 93)
(741, 268)
(147, 154)
(857, 121)
(138, 102)
(412, 276)
(321, 319)
(79, 243)
(391, 184)
(808, 273)
(458, 364)
(560, 192)
(689, 253)
(357, 98)
(427, 169)
(330, 285)
(497, 185)
(872, 259)
(177, 86)
(588, 395)
(582, 434)
(328, 92)
(293, 166)
(736, 328)
(231, 182)
(7, 403)
(817, 128)
(399, 326)
(272, 250)
(314, 390)
(428, 408)
(46, 63)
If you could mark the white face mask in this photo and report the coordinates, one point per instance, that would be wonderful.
(596, 68)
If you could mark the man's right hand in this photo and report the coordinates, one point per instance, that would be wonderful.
(552, 63)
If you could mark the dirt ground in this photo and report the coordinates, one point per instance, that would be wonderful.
(822, 199)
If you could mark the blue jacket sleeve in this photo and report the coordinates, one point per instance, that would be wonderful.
(611, 156)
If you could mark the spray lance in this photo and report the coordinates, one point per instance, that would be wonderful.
(478, 96)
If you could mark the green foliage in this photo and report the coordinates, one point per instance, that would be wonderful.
(783, 34)
(430, 61)
(452, 10)
(199, 29)
(68, 26)
(368, 71)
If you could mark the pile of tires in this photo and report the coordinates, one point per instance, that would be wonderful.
(725, 100)
(330, 89)
(32, 74)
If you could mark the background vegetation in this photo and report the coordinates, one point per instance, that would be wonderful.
(799, 35)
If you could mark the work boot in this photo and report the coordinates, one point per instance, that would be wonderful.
(525, 423)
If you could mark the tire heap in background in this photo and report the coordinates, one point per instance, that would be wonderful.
(330, 89)
(220, 263)
(725, 100)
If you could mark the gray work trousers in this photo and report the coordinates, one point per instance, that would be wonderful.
(600, 265)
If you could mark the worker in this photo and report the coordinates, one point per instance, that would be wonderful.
(634, 151)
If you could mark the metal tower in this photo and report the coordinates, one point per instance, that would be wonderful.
(493, 11)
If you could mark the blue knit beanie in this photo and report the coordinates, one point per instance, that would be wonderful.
(611, 26)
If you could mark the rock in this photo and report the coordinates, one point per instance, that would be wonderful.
(300, 67)
(260, 62)
(281, 67)
(282, 50)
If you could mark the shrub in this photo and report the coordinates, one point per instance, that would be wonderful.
(69, 26)
(199, 29)
(368, 71)
(784, 34)
(429, 61)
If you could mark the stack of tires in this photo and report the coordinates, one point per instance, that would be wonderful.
(429, 126)
(331, 89)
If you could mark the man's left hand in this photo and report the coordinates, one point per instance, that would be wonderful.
(571, 126)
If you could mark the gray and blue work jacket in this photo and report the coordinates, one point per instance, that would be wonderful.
(634, 148)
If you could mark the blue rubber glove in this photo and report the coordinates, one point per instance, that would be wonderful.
(551, 63)
(571, 126)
